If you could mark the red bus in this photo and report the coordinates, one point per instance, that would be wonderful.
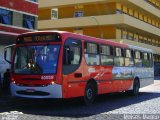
(61, 64)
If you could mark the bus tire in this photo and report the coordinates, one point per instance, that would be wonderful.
(90, 93)
(136, 86)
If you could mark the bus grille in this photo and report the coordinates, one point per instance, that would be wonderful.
(28, 85)
(31, 79)
(37, 93)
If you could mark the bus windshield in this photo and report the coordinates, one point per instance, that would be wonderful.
(41, 59)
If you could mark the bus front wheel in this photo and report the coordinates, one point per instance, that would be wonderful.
(90, 94)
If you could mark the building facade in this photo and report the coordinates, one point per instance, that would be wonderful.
(16, 16)
(135, 22)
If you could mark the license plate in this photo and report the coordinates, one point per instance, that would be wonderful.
(30, 90)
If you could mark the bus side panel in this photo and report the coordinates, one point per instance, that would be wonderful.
(123, 78)
(146, 76)
(74, 83)
(105, 82)
(116, 79)
(107, 79)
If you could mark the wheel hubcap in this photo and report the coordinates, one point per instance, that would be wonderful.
(89, 94)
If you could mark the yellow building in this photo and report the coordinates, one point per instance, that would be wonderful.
(135, 22)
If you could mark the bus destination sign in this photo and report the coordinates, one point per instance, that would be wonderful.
(42, 38)
(39, 38)
(27, 39)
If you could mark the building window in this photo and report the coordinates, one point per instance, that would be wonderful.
(125, 9)
(130, 36)
(6, 16)
(141, 17)
(78, 31)
(29, 22)
(136, 14)
(141, 39)
(124, 34)
(78, 14)
(118, 11)
(54, 13)
(145, 39)
(130, 12)
(135, 37)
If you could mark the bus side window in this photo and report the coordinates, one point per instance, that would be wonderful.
(151, 59)
(138, 58)
(106, 55)
(129, 57)
(146, 60)
(72, 55)
(119, 59)
(91, 53)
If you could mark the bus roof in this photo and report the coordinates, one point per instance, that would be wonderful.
(66, 34)
(140, 48)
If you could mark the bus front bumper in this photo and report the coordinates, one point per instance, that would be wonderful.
(50, 91)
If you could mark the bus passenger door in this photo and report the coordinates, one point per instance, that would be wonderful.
(72, 70)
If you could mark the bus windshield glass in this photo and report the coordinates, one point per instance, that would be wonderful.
(41, 59)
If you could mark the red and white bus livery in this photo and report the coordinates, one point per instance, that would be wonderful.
(60, 64)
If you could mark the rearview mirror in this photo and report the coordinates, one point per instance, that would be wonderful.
(8, 53)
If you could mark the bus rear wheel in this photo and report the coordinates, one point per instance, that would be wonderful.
(136, 86)
(90, 94)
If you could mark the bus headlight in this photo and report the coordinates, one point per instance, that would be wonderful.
(52, 83)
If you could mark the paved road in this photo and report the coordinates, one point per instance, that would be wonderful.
(113, 106)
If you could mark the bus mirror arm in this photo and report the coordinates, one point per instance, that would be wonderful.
(5, 57)
(8, 53)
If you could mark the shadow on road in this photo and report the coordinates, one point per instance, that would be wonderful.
(75, 108)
